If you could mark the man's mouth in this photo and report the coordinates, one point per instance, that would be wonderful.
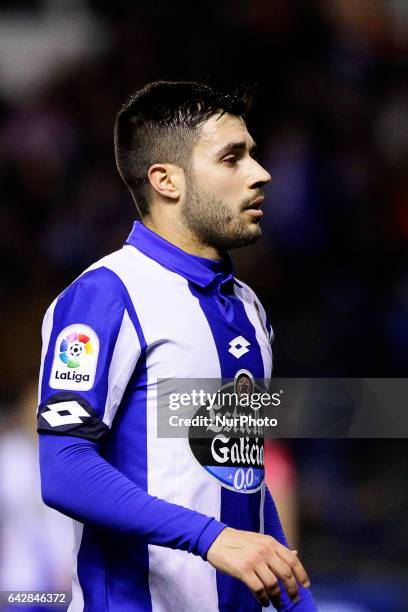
(254, 208)
(254, 212)
(255, 203)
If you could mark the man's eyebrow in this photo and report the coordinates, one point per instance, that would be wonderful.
(236, 147)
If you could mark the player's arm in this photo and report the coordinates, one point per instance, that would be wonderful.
(80, 483)
(264, 563)
(92, 324)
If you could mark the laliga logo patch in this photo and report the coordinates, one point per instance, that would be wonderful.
(75, 358)
(73, 347)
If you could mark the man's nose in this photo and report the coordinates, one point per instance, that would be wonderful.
(260, 176)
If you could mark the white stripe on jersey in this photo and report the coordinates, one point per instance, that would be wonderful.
(187, 484)
(46, 335)
(77, 603)
(247, 296)
(261, 510)
(125, 355)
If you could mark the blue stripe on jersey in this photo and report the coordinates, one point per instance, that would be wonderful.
(238, 510)
(91, 569)
(224, 331)
(234, 595)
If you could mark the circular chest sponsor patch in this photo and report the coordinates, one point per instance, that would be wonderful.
(231, 454)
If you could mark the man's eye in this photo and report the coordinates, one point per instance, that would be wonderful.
(230, 160)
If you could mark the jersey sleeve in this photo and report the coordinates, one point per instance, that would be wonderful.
(77, 481)
(90, 351)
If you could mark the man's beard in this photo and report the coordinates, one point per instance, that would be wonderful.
(214, 223)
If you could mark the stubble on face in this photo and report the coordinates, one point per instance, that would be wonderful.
(214, 222)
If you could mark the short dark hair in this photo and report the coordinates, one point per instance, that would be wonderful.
(161, 122)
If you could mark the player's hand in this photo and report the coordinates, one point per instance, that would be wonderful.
(259, 561)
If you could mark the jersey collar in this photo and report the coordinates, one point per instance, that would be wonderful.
(199, 270)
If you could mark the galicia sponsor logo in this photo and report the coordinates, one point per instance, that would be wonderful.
(237, 463)
(241, 451)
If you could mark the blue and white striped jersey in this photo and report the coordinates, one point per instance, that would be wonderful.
(145, 312)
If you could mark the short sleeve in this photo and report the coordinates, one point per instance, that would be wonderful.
(90, 351)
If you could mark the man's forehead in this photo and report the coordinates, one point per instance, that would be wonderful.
(219, 130)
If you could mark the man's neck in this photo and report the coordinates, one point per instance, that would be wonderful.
(176, 233)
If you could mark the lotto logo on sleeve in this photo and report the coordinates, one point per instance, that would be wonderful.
(75, 358)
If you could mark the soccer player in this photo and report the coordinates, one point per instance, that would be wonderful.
(166, 305)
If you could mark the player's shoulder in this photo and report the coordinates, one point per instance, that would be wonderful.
(114, 276)
(100, 280)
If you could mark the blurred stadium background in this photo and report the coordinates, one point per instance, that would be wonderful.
(332, 125)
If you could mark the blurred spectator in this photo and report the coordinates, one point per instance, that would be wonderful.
(280, 476)
(35, 541)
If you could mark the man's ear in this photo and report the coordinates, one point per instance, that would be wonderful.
(166, 180)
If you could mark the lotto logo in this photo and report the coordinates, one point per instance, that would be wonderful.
(238, 346)
(65, 413)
